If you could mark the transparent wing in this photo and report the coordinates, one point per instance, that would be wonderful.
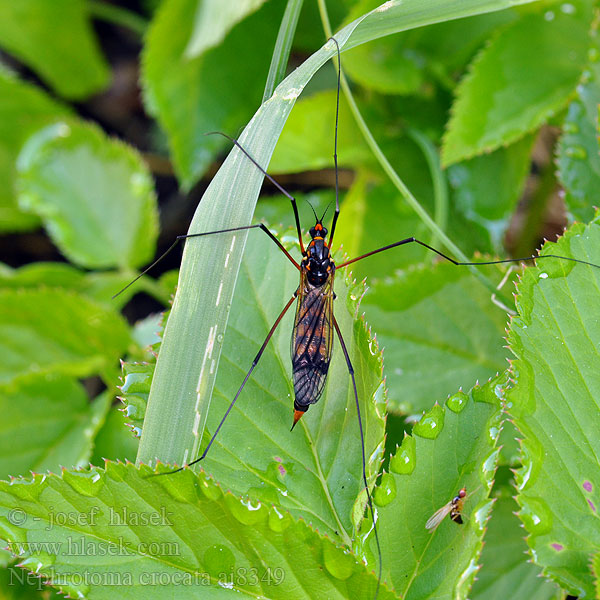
(438, 516)
(312, 340)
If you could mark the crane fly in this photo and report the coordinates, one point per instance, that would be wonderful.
(315, 322)
(312, 335)
(452, 508)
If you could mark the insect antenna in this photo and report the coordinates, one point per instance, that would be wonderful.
(325, 212)
(335, 144)
(313, 209)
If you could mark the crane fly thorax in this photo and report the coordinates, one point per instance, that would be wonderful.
(317, 261)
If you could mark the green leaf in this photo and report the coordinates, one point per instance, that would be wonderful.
(47, 422)
(214, 20)
(23, 109)
(146, 332)
(137, 378)
(596, 571)
(306, 141)
(52, 330)
(115, 440)
(98, 286)
(439, 329)
(5, 559)
(43, 35)
(509, 445)
(426, 472)
(485, 192)
(94, 193)
(388, 66)
(436, 51)
(283, 46)
(370, 208)
(523, 77)
(556, 337)
(193, 96)
(449, 46)
(578, 150)
(504, 573)
(18, 584)
(169, 535)
(181, 390)
(47, 274)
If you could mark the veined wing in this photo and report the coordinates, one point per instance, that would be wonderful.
(312, 340)
(438, 516)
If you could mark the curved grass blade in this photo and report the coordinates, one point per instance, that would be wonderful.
(190, 352)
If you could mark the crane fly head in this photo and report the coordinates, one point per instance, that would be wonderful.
(318, 231)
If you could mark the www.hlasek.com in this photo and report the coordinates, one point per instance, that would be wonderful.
(86, 547)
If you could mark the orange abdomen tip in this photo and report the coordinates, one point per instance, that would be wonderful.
(297, 416)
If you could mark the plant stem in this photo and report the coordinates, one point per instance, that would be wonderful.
(118, 16)
(538, 205)
(440, 185)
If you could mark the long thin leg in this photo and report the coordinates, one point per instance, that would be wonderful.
(455, 262)
(362, 442)
(254, 363)
(192, 235)
(277, 185)
(335, 143)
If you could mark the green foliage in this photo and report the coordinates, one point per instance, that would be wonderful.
(519, 81)
(54, 330)
(137, 379)
(94, 195)
(438, 316)
(578, 153)
(213, 22)
(305, 142)
(23, 109)
(168, 534)
(44, 34)
(426, 472)
(485, 192)
(555, 405)
(504, 573)
(58, 424)
(193, 95)
(274, 513)
(372, 210)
